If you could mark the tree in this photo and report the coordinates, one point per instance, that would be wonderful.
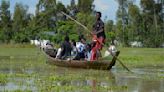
(85, 6)
(46, 14)
(20, 17)
(61, 8)
(66, 28)
(5, 17)
(86, 20)
(20, 22)
(72, 9)
(152, 23)
(46, 5)
(134, 23)
(110, 31)
(122, 15)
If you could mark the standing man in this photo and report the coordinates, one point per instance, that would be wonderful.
(98, 36)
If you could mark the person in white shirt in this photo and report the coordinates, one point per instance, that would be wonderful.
(81, 46)
(58, 53)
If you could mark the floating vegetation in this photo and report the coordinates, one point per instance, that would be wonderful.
(3, 79)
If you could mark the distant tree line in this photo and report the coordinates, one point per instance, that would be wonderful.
(144, 24)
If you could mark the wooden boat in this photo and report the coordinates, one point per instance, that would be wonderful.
(100, 64)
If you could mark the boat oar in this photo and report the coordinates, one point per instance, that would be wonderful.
(120, 61)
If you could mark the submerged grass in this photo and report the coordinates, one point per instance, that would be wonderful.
(26, 70)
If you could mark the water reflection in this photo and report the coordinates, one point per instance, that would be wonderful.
(141, 81)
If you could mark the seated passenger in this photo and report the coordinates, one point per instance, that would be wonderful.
(74, 51)
(49, 49)
(58, 53)
(66, 49)
(88, 52)
(81, 47)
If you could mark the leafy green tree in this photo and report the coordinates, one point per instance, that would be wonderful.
(152, 23)
(20, 22)
(20, 17)
(135, 21)
(85, 6)
(110, 31)
(46, 15)
(66, 28)
(123, 17)
(135, 24)
(72, 9)
(61, 8)
(5, 17)
(46, 5)
(86, 20)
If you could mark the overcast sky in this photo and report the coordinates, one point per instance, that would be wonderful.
(107, 7)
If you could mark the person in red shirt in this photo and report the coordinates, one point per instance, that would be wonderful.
(98, 36)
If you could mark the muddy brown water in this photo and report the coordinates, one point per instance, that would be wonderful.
(116, 80)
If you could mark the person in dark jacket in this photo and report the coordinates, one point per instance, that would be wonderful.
(66, 48)
(74, 52)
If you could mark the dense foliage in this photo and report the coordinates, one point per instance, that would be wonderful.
(143, 24)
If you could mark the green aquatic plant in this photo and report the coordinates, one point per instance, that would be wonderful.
(3, 79)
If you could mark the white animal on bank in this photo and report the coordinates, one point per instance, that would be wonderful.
(35, 42)
(136, 44)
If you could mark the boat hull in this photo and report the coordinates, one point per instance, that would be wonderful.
(101, 64)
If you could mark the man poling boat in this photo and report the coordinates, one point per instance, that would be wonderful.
(98, 37)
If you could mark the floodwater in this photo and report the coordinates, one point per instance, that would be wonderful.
(32, 74)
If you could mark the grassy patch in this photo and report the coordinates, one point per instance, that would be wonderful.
(142, 57)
